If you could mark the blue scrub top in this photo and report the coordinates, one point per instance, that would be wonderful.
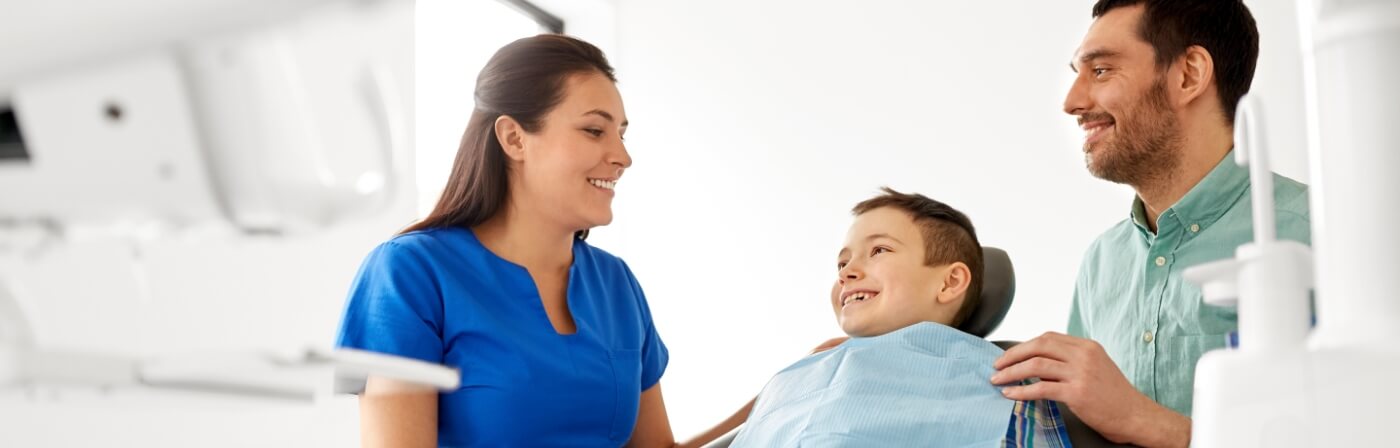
(440, 296)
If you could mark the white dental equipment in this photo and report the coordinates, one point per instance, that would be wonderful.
(1288, 385)
(149, 119)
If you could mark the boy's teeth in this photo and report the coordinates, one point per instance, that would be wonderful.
(857, 297)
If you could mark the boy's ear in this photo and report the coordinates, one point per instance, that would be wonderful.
(955, 282)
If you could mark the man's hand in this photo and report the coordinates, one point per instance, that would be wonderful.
(1079, 374)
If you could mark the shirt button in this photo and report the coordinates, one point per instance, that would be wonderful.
(1161, 261)
(1195, 228)
(1147, 337)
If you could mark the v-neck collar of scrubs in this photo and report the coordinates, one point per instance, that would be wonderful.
(525, 282)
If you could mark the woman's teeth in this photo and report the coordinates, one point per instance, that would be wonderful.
(604, 184)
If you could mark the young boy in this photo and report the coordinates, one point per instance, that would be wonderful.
(909, 274)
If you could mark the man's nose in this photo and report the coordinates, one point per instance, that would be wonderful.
(1077, 101)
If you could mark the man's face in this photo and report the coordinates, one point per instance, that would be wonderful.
(1131, 130)
(883, 283)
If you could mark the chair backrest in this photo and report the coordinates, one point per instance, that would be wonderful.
(998, 290)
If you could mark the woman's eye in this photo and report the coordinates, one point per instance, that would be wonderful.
(595, 132)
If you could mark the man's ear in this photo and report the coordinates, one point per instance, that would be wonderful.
(1197, 75)
(955, 282)
(511, 136)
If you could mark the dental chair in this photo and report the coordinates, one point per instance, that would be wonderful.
(998, 290)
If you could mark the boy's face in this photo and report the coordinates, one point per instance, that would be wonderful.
(883, 284)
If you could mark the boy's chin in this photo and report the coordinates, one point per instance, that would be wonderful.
(860, 329)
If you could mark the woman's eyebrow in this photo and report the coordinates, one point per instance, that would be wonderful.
(605, 115)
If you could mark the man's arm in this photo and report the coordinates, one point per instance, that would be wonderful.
(1079, 374)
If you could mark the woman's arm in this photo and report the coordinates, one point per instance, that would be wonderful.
(398, 414)
(654, 426)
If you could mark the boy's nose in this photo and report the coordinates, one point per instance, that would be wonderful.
(849, 273)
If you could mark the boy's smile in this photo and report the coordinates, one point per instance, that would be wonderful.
(853, 297)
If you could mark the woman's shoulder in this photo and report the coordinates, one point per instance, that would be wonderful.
(431, 238)
(429, 244)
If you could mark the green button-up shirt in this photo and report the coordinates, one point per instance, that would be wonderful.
(1130, 296)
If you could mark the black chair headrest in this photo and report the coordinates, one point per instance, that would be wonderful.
(998, 289)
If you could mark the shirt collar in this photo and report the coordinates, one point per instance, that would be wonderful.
(1206, 202)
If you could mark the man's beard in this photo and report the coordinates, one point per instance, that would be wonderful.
(1145, 147)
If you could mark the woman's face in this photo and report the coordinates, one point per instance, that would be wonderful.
(571, 165)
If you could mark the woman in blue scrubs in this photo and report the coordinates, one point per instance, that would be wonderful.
(553, 336)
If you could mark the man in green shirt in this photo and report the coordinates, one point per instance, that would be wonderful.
(1157, 85)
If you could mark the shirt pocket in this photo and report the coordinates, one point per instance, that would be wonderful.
(1216, 319)
(1176, 368)
(627, 384)
(1192, 316)
(1188, 348)
(1204, 327)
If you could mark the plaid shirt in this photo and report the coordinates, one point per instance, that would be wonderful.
(1036, 424)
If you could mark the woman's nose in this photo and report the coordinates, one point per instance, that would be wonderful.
(620, 158)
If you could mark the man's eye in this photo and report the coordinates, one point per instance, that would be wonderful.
(1100, 71)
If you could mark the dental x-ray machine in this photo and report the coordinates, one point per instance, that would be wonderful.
(150, 119)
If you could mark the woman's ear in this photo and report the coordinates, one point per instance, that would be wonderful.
(511, 136)
(956, 279)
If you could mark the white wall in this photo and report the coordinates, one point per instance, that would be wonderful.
(757, 125)
(456, 38)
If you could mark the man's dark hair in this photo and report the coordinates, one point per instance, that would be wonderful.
(1224, 28)
(948, 237)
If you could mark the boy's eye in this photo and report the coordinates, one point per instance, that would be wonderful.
(879, 250)
(840, 265)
